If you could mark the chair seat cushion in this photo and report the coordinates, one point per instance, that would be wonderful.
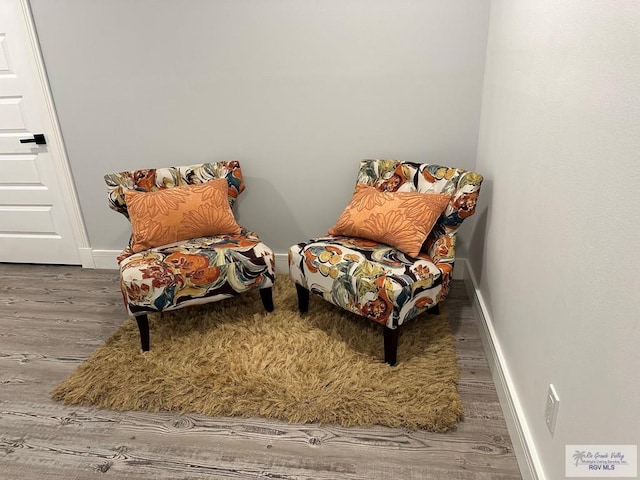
(195, 271)
(368, 278)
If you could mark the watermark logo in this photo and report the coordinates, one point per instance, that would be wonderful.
(619, 461)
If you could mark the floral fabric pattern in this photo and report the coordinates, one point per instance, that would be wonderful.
(196, 270)
(367, 216)
(376, 280)
(462, 185)
(179, 213)
(154, 179)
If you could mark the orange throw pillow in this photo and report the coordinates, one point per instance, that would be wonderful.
(400, 219)
(174, 214)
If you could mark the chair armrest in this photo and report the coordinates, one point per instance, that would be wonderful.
(443, 249)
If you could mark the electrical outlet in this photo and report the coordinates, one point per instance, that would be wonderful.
(551, 411)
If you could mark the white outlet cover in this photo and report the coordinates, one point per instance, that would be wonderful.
(551, 410)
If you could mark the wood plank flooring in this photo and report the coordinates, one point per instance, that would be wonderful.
(53, 317)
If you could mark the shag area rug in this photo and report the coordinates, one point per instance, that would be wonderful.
(230, 358)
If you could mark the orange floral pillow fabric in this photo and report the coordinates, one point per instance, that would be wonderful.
(179, 213)
(399, 219)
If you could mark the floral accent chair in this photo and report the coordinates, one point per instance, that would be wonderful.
(186, 247)
(368, 276)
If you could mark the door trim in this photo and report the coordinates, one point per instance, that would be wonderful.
(56, 147)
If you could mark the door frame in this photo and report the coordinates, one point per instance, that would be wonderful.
(55, 144)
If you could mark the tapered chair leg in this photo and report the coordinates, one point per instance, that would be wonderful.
(303, 298)
(143, 326)
(266, 294)
(390, 345)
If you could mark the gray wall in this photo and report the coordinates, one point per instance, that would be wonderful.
(297, 91)
(556, 245)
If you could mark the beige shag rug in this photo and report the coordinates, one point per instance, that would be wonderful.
(230, 358)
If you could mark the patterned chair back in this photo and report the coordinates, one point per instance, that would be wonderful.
(463, 185)
(153, 179)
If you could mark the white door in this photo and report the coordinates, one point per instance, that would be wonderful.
(39, 217)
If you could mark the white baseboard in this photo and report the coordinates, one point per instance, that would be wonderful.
(523, 446)
(282, 263)
(86, 257)
(105, 259)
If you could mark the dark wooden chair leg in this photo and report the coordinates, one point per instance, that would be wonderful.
(266, 294)
(303, 298)
(390, 345)
(143, 326)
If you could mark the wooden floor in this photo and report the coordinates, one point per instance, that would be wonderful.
(53, 317)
